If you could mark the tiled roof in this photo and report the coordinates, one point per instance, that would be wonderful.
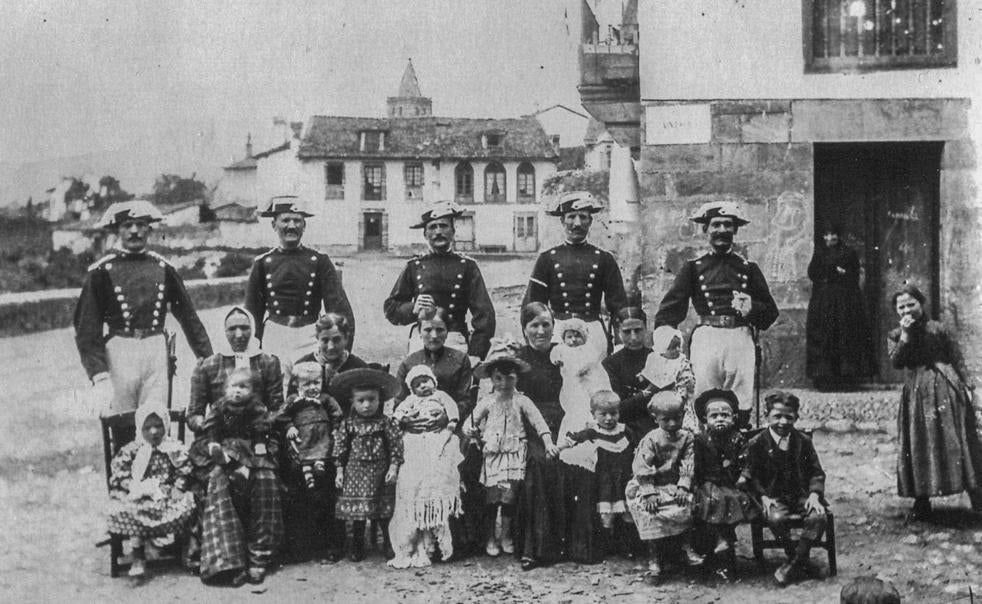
(426, 137)
(249, 163)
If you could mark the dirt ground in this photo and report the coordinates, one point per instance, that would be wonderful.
(52, 492)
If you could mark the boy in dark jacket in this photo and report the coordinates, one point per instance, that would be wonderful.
(783, 472)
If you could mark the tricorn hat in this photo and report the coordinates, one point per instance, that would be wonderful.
(440, 209)
(715, 209)
(577, 201)
(135, 209)
(282, 204)
(344, 382)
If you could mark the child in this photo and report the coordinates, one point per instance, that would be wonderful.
(667, 369)
(147, 485)
(368, 451)
(658, 495)
(428, 491)
(498, 421)
(718, 502)
(425, 400)
(784, 472)
(607, 448)
(582, 374)
(309, 415)
(236, 431)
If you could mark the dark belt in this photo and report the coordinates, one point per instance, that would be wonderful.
(724, 321)
(292, 320)
(136, 334)
(588, 317)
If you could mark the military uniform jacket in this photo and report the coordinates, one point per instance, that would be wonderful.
(709, 281)
(292, 286)
(130, 293)
(572, 279)
(456, 284)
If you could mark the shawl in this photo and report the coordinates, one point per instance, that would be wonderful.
(168, 446)
(252, 350)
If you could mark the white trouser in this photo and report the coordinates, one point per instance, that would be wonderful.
(138, 370)
(597, 339)
(724, 358)
(288, 344)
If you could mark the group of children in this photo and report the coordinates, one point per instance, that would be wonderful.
(680, 488)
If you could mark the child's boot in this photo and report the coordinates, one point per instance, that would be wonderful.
(357, 551)
(691, 556)
(320, 468)
(653, 576)
(507, 543)
(138, 568)
(308, 477)
(387, 550)
(492, 548)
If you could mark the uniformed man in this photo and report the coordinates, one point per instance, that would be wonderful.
(129, 291)
(577, 279)
(732, 299)
(290, 285)
(444, 278)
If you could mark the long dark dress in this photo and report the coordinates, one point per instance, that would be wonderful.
(541, 513)
(623, 368)
(838, 336)
(940, 452)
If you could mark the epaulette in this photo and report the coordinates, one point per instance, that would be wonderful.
(101, 261)
(739, 257)
(466, 257)
(264, 254)
(159, 258)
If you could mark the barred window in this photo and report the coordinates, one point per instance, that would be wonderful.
(374, 182)
(865, 35)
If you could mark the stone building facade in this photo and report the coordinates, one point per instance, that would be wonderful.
(859, 114)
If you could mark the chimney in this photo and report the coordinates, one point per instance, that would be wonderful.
(249, 145)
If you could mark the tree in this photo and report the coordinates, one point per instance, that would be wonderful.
(171, 189)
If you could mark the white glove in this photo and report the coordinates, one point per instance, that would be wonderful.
(98, 400)
(423, 301)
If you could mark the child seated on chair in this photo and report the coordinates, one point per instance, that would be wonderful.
(310, 416)
(783, 472)
(719, 504)
(147, 485)
(658, 496)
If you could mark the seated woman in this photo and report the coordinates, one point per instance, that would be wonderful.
(147, 485)
(333, 332)
(241, 350)
(235, 461)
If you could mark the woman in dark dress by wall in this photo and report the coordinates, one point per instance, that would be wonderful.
(839, 342)
(623, 368)
(541, 514)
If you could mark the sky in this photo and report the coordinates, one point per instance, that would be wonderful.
(102, 75)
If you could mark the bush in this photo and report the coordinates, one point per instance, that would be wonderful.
(234, 264)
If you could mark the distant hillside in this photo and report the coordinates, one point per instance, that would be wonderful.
(136, 167)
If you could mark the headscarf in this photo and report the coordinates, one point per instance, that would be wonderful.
(168, 446)
(577, 325)
(658, 370)
(252, 349)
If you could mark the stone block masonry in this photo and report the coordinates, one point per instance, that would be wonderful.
(760, 153)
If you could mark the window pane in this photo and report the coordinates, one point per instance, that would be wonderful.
(335, 174)
(374, 182)
(464, 177)
(414, 175)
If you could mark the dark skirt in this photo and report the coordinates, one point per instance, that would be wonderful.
(308, 514)
(939, 450)
(541, 513)
(582, 520)
(838, 336)
(717, 504)
(612, 475)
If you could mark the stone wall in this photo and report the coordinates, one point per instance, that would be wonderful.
(760, 154)
(29, 312)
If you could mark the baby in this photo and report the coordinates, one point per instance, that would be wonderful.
(310, 415)
(426, 401)
(667, 369)
(583, 375)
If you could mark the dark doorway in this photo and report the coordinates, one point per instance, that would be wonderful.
(885, 198)
(373, 231)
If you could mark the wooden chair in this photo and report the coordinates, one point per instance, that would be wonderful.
(826, 540)
(118, 430)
